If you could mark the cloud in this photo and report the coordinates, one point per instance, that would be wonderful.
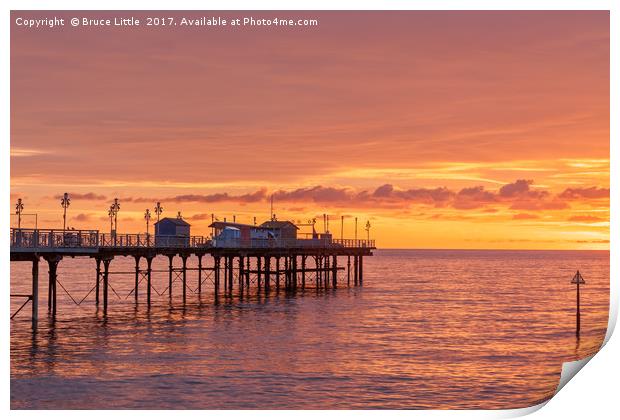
(525, 216)
(90, 196)
(587, 219)
(517, 195)
(82, 217)
(521, 188)
(256, 196)
(200, 216)
(584, 193)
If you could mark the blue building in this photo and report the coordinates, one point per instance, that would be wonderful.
(172, 232)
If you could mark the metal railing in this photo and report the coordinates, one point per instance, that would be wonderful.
(51, 238)
(292, 243)
(92, 239)
(157, 241)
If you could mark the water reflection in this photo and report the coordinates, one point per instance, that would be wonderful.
(456, 330)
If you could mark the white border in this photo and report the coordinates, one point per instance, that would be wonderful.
(597, 384)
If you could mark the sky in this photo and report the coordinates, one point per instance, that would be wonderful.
(442, 129)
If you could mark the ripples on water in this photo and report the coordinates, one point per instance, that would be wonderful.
(429, 329)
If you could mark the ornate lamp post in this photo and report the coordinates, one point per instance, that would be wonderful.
(111, 216)
(368, 230)
(147, 217)
(115, 207)
(19, 207)
(65, 203)
(158, 210)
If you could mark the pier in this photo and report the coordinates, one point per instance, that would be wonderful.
(233, 265)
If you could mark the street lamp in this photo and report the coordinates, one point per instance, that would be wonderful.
(368, 230)
(115, 207)
(19, 207)
(147, 217)
(111, 216)
(158, 210)
(65, 203)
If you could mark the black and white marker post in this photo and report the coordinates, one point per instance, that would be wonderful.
(578, 279)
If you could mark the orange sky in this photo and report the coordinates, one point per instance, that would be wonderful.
(444, 129)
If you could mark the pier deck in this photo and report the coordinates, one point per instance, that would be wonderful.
(262, 262)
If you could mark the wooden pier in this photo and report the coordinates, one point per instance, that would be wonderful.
(232, 265)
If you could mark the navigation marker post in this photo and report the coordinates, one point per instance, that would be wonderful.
(578, 279)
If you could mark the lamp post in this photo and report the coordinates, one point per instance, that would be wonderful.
(65, 203)
(368, 230)
(111, 216)
(158, 210)
(19, 207)
(115, 207)
(147, 217)
(356, 230)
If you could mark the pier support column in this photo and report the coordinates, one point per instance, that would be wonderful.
(277, 273)
(335, 272)
(241, 274)
(225, 275)
(216, 274)
(137, 279)
(303, 272)
(184, 260)
(35, 291)
(348, 270)
(231, 262)
(106, 275)
(247, 273)
(258, 271)
(170, 258)
(326, 272)
(267, 273)
(355, 270)
(98, 261)
(316, 266)
(361, 270)
(199, 273)
(149, 261)
(294, 271)
(52, 263)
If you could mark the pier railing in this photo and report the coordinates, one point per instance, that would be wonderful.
(29, 239)
(144, 240)
(50, 238)
(292, 243)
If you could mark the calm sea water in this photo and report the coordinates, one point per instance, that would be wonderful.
(429, 329)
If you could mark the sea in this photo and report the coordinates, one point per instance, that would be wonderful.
(428, 329)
